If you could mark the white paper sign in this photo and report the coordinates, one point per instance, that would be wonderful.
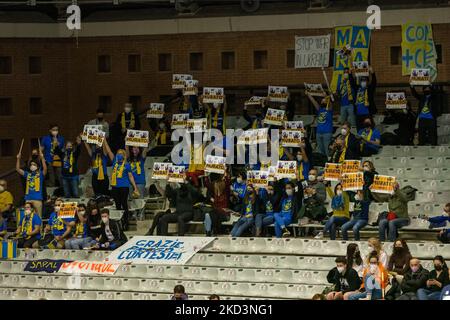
(160, 170)
(286, 169)
(278, 94)
(176, 174)
(197, 125)
(396, 100)
(213, 95)
(89, 267)
(291, 138)
(179, 79)
(87, 127)
(137, 138)
(215, 164)
(156, 110)
(312, 52)
(293, 125)
(361, 68)
(274, 116)
(420, 77)
(258, 178)
(179, 120)
(190, 88)
(255, 101)
(315, 89)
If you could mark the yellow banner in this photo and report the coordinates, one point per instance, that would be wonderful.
(383, 184)
(352, 181)
(332, 172)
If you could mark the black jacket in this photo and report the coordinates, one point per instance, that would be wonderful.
(63, 154)
(443, 279)
(414, 281)
(137, 122)
(117, 232)
(349, 281)
(433, 104)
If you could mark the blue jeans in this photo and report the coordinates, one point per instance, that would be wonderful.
(425, 294)
(79, 243)
(372, 287)
(376, 295)
(208, 223)
(356, 225)
(241, 225)
(70, 186)
(282, 220)
(331, 225)
(391, 228)
(348, 114)
(263, 220)
(323, 141)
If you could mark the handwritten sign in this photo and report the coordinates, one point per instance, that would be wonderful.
(396, 100)
(383, 184)
(137, 138)
(312, 52)
(156, 110)
(332, 172)
(352, 181)
(88, 267)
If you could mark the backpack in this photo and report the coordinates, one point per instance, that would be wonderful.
(389, 139)
(410, 192)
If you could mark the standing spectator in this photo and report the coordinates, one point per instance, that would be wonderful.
(346, 147)
(303, 163)
(340, 204)
(415, 278)
(364, 103)
(346, 98)
(354, 258)
(136, 159)
(399, 260)
(112, 235)
(218, 194)
(428, 113)
(375, 245)
(257, 121)
(270, 198)
(360, 216)
(288, 210)
(250, 209)
(314, 199)
(437, 279)
(99, 120)
(128, 119)
(370, 138)
(29, 226)
(179, 293)
(397, 217)
(99, 162)
(69, 172)
(406, 126)
(324, 130)
(49, 143)
(217, 115)
(6, 200)
(34, 176)
(441, 222)
(344, 278)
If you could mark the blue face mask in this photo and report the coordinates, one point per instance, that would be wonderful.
(119, 158)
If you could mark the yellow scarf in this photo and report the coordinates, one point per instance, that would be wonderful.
(216, 119)
(56, 159)
(349, 90)
(33, 181)
(366, 97)
(71, 162)
(369, 136)
(280, 152)
(123, 122)
(116, 174)
(137, 165)
(162, 136)
(344, 151)
(98, 163)
(300, 171)
(255, 124)
(27, 225)
(196, 162)
(79, 229)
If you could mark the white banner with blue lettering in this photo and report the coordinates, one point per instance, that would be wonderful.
(158, 250)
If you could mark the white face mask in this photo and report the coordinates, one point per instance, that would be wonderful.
(373, 268)
(344, 132)
(162, 125)
(299, 157)
(239, 180)
(105, 220)
(339, 192)
(312, 177)
(363, 84)
(357, 198)
(289, 192)
(33, 167)
(2, 188)
(365, 168)
(215, 105)
(57, 208)
(340, 269)
(345, 75)
(27, 211)
(127, 109)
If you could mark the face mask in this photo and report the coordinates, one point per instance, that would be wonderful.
(105, 220)
(215, 105)
(363, 84)
(120, 157)
(357, 198)
(405, 111)
(239, 180)
(299, 157)
(344, 132)
(371, 248)
(81, 213)
(437, 267)
(100, 119)
(289, 192)
(367, 124)
(312, 177)
(127, 110)
(57, 208)
(339, 192)
(27, 212)
(398, 249)
(373, 268)
(2, 188)
(366, 168)
(162, 125)
(283, 107)
(54, 133)
(270, 192)
(340, 269)
(414, 269)
(33, 167)
(345, 76)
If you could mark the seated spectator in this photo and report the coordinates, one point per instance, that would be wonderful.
(250, 208)
(3, 228)
(370, 139)
(168, 193)
(69, 170)
(29, 226)
(360, 216)
(314, 199)
(288, 210)
(179, 293)
(57, 231)
(344, 278)
(414, 279)
(354, 258)
(214, 297)
(6, 200)
(238, 189)
(80, 238)
(319, 296)
(437, 279)
(112, 235)
(185, 197)
(94, 221)
(270, 200)
(340, 205)
(346, 146)
(303, 163)
(375, 279)
(100, 120)
(397, 217)
(34, 176)
(218, 192)
(441, 222)
(375, 245)
(399, 260)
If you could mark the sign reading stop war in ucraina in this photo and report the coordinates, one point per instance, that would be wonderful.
(286, 169)
(215, 164)
(156, 110)
(312, 52)
(291, 138)
(332, 172)
(352, 181)
(350, 166)
(137, 138)
(383, 184)
(278, 94)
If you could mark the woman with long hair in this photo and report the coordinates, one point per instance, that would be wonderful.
(438, 278)
(375, 245)
(80, 238)
(218, 189)
(249, 211)
(136, 159)
(288, 208)
(354, 258)
(399, 260)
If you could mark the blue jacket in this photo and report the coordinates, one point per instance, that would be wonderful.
(439, 222)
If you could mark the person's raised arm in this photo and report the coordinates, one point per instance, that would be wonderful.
(313, 101)
(18, 169)
(88, 148)
(415, 93)
(107, 150)
(44, 164)
(127, 152)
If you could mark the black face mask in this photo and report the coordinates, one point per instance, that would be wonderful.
(398, 249)
(367, 125)
(100, 119)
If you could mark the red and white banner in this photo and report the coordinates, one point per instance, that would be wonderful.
(89, 267)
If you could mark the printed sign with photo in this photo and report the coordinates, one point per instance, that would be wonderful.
(190, 88)
(315, 89)
(291, 138)
(274, 116)
(258, 178)
(179, 79)
(420, 77)
(332, 172)
(137, 138)
(87, 127)
(352, 181)
(179, 120)
(215, 164)
(176, 174)
(156, 110)
(67, 210)
(294, 125)
(286, 169)
(383, 184)
(395, 100)
(361, 68)
(92, 135)
(350, 166)
(213, 95)
(197, 125)
(278, 94)
(255, 101)
(272, 170)
(246, 137)
(160, 170)
(262, 135)
(101, 136)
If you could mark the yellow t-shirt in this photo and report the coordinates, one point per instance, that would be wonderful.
(6, 198)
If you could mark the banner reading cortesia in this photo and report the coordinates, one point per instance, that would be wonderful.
(156, 110)
(179, 120)
(179, 79)
(67, 210)
(350, 166)
(258, 178)
(418, 49)
(158, 250)
(215, 164)
(312, 52)
(137, 138)
(278, 94)
(352, 181)
(383, 184)
(88, 267)
(286, 169)
(420, 77)
(396, 100)
(332, 172)
(274, 116)
(291, 138)
(213, 95)
(160, 170)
